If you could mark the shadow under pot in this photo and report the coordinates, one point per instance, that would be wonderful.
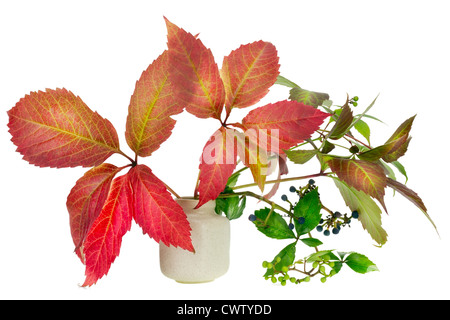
(210, 236)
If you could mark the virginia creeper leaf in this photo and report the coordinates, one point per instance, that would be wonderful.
(286, 256)
(342, 124)
(272, 224)
(103, 241)
(149, 123)
(307, 97)
(369, 212)
(217, 164)
(362, 175)
(307, 207)
(289, 122)
(411, 196)
(194, 74)
(254, 157)
(389, 150)
(55, 128)
(86, 200)
(300, 156)
(360, 263)
(156, 212)
(248, 73)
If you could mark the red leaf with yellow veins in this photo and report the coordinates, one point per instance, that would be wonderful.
(217, 164)
(194, 74)
(149, 123)
(86, 200)
(248, 73)
(283, 124)
(55, 128)
(364, 176)
(104, 239)
(156, 212)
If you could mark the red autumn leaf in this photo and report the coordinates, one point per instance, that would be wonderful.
(156, 212)
(248, 73)
(194, 74)
(149, 123)
(364, 176)
(86, 200)
(283, 124)
(217, 164)
(55, 128)
(104, 239)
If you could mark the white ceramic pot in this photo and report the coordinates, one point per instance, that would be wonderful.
(210, 236)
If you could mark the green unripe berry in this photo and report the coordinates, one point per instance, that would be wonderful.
(323, 280)
(356, 98)
(307, 278)
(315, 264)
(292, 279)
(285, 269)
(355, 103)
(331, 264)
(280, 278)
(286, 277)
(332, 272)
(269, 265)
(283, 283)
(273, 279)
(322, 269)
(278, 259)
(265, 264)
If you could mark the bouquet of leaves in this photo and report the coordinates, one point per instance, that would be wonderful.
(55, 128)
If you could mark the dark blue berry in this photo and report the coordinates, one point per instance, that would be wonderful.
(326, 232)
(301, 220)
(319, 228)
(337, 214)
(321, 221)
(252, 217)
(355, 214)
(311, 182)
(284, 197)
(292, 189)
(291, 226)
(335, 230)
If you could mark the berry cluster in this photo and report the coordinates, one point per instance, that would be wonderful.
(318, 267)
(335, 221)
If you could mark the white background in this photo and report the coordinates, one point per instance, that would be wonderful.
(98, 49)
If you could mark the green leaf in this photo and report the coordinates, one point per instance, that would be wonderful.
(317, 256)
(311, 242)
(369, 212)
(308, 207)
(400, 168)
(364, 129)
(285, 82)
(275, 227)
(327, 147)
(307, 97)
(300, 156)
(286, 258)
(360, 263)
(232, 207)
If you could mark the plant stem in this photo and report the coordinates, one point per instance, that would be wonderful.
(133, 162)
(254, 195)
(320, 174)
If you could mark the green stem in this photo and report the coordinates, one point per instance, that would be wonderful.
(254, 195)
(320, 174)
